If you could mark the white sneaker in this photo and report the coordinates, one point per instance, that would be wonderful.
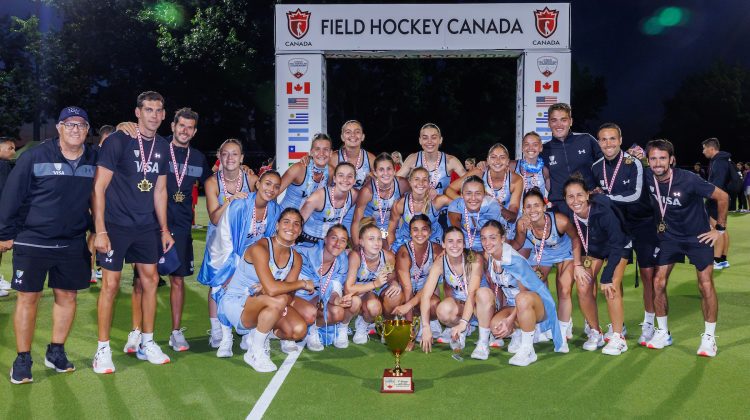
(569, 330)
(460, 343)
(718, 265)
(289, 346)
(313, 339)
(4, 284)
(245, 342)
(134, 340)
(496, 342)
(647, 333)
(616, 345)
(152, 352)
(596, 340)
(259, 361)
(445, 337)
(214, 338)
(542, 336)
(3, 293)
(342, 336)
(609, 333)
(225, 348)
(524, 357)
(360, 331)
(708, 346)
(725, 264)
(103, 361)
(661, 339)
(177, 340)
(267, 344)
(586, 328)
(564, 348)
(481, 352)
(436, 328)
(515, 341)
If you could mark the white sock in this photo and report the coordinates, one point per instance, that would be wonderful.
(527, 338)
(146, 337)
(662, 322)
(312, 329)
(484, 336)
(649, 317)
(710, 328)
(103, 344)
(563, 328)
(226, 332)
(93, 273)
(215, 324)
(258, 339)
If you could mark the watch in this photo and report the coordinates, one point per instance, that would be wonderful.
(719, 227)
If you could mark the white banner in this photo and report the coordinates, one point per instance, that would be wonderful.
(546, 81)
(300, 105)
(422, 27)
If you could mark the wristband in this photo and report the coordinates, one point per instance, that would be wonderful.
(165, 230)
(101, 233)
(467, 322)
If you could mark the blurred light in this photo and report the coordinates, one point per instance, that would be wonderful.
(652, 26)
(670, 16)
(169, 14)
(665, 18)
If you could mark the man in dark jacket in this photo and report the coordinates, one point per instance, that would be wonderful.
(719, 173)
(567, 153)
(7, 151)
(44, 216)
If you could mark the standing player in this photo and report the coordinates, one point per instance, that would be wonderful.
(308, 175)
(531, 167)
(720, 167)
(353, 135)
(439, 164)
(7, 151)
(44, 218)
(330, 205)
(472, 210)
(683, 230)
(567, 153)
(130, 215)
(620, 175)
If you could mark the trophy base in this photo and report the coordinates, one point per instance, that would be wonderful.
(393, 384)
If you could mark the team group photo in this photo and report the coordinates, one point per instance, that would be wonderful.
(148, 269)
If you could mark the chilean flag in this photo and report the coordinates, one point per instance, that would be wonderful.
(294, 154)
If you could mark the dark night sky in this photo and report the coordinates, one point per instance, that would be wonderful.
(640, 70)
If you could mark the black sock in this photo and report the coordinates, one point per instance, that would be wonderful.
(717, 259)
(723, 258)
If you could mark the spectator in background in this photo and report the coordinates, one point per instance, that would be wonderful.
(7, 151)
(720, 167)
(397, 160)
(746, 185)
(470, 164)
(741, 199)
(104, 132)
(699, 170)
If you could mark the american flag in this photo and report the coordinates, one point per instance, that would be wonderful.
(545, 101)
(298, 103)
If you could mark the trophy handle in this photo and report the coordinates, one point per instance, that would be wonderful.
(414, 327)
(380, 327)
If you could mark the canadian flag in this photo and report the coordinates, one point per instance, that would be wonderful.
(539, 87)
(298, 88)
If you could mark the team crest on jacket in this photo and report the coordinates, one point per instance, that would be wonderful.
(546, 21)
(298, 22)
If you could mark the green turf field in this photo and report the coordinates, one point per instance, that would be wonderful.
(671, 383)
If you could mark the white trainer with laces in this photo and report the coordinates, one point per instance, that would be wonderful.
(134, 340)
(647, 333)
(564, 348)
(523, 357)
(515, 341)
(289, 346)
(610, 331)
(313, 339)
(103, 361)
(225, 348)
(661, 339)
(4, 284)
(3, 293)
(214, 338)
(342, 336)
(481, 352)
(360, 331)
(177, 340)
(586, 328)
(596, 340)
(496, 342)
(152, 352)
(708, 346)
(259, 361)
(616, 345)
(245, 342)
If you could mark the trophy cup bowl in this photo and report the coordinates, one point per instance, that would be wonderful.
(397, 334)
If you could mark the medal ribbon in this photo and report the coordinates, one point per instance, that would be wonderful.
(255, 225)
(381, 206)
(469, 234)
(540, 250)
(324, 289)
(333, 206)
(414, 260)
(662, 209)
(580, 234)
(237, 187)
(434, 171)
(179, 177)
(144, 162)
(500, 194)
(460, 279)
(359, 158)
(608, 185)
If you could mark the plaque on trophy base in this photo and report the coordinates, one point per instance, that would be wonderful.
(397, 384)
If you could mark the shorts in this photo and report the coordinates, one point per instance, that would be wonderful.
(670, 251)
(550, 256)
(69, 268)
(131, 246)
(747, 190)
(712, 209)
(183, 244)
(230, 310)
(643, 242)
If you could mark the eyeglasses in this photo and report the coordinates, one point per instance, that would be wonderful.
(70, 126)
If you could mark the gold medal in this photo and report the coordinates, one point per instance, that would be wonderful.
(662, 227)
(587, 262)
(383, 233)
(145, 185)
(629, 161)
(538, 273)
(178, 197)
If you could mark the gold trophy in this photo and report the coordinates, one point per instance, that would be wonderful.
(397, 333)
